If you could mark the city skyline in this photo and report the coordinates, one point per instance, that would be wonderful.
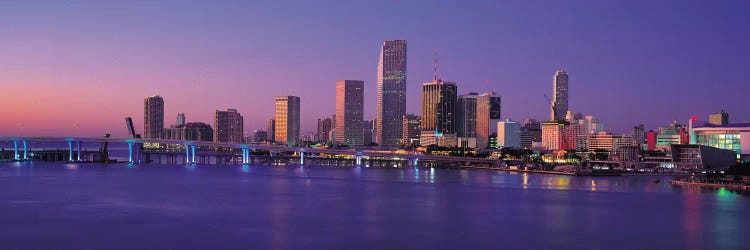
(115, 68)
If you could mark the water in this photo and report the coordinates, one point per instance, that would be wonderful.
(93, 206)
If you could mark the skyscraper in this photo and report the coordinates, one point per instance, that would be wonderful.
(369, 132)
(438, 123)
(180, 119)
(411, 130)
(287, 120)
(271, 130)
(349, 112)
(721, 118)
(638, 134)
(488, 115)
(560, 101)
(466, 115)
(324, 129)
(228, 126)
(153, 117)
(391, 96)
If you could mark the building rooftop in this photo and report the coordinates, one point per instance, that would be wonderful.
(732, 125)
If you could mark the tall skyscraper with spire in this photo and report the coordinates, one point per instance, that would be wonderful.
(391, 99)
(560, 102)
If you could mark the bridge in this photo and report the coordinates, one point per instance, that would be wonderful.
(240, 153)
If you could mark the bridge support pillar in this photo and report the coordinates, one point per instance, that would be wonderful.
(130, 152)
(245, 156)
(78, 143)
(301, 158)
(70, 150)
(187, 153)
(25, 151)
(359, 160)
(15, 150)
(193, 151)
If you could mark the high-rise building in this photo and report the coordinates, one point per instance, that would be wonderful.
(391, 96)
(639, 135)
(349, 112)
(287, 120)
(551, 133)
(466, 115)
(438, 123)
(153, 117)
(488, 115)
(560, 97)
(368, 132)
(324, 129)
(180, 119)
(411, 130)
(271, 130)
(569, 136)
(228, 126)
(508, 134)
(192, 131)
(721, 118)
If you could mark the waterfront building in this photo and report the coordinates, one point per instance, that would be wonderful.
(271, 129)
(228, 126)
(466, 115)
(675, 133)
(508, 134)
(721, 118)
(258, 136)
(197, 131)
(552, 134)
(531, 133)
(620, 146)
(349, 112)
(180, 119)
(701, 157)
(411, 131)
(391, 92)
(325, 126)
(638, 134)
(569, 136)
(438, 122)
(287, 116)
(559, 105)
(153, 117)
(734, 136)
(651, 140)
(368, 132)
(488, 115)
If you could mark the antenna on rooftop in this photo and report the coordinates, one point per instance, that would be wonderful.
(435, 65)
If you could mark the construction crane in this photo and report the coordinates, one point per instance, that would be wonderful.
(548, 99)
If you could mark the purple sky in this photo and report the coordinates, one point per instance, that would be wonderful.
(80, 67)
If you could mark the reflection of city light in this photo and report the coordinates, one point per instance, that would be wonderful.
(593, 185)
(71, 166)
(525, 180)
